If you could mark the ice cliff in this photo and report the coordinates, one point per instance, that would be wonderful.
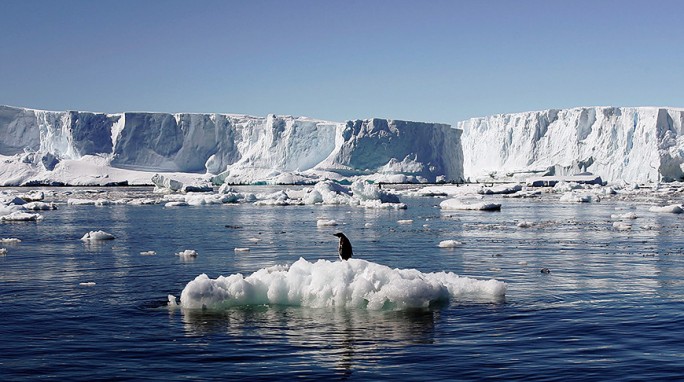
(82, 148)
(635, 144)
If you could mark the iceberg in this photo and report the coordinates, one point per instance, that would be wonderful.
(634, 144)
(83, 148)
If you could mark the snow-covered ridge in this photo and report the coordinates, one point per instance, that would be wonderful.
(232, 148)
(635, 144)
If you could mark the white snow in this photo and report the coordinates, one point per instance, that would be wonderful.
(354, 283)
(97, 235)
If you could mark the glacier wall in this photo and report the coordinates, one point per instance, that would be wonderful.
(635, 144)
(235, 148)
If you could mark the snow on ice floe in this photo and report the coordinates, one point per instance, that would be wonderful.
(97, 236)
(148, 253)
(457, 204)
(672, 208)
(354, 283)
(10, 240)
(18, 216)
(449, 244)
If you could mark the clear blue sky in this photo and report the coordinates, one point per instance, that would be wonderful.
(439, 61)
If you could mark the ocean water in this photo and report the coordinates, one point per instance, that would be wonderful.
(611, 307)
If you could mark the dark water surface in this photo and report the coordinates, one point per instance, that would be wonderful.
(611, 308)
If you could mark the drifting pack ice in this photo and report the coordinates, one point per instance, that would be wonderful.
(82, 148)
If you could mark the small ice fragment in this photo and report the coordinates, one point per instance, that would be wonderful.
(672, 208)
(522, 262)
(148, 253)
(176, 204)
(524, 224)
(254, 239)
(10, 241)
(405, 221)
(187, 253)
(621, 226)
(241, 249)
(3, 251)
(88, 284)
(455, 204)
(628, 215)
(368, 225)
(97, 235)
(173, 303)
(326, 223)
(449, 243)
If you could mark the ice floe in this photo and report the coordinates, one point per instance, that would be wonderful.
(354, 283)
(97, 235)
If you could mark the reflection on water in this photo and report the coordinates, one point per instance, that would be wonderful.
(339, 339)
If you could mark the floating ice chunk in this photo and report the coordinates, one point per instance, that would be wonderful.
(254, 239)
(380, 205)
(572, 197)
(40, 206)
(672, 208)
(405, 221)
(363, 190)
(326, 223)
(241, 249)
(625, 216)
(525, 224)
(501, 189)
(368, 225)
(18, 216)
(33, 196)
(17, 201)
(456, 204)
(10, 240)
(97, 235)
(354, 283)
(80, 202)
(3, 251)
(164, 184)
(449, 243)
(565, 187)
(188, 253)
(87, 284)
(148, 253)
(622, 226)
(173, 302)
(142, 202)
(176, 204)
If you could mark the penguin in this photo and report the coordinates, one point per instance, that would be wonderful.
(345, 248)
